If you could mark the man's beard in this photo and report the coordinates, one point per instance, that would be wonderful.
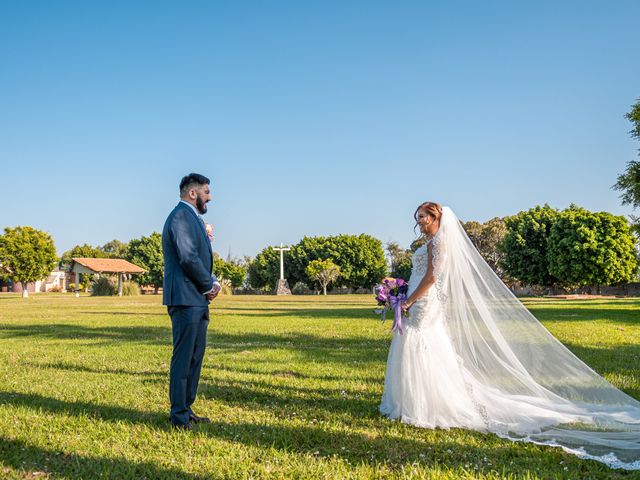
(201, 205)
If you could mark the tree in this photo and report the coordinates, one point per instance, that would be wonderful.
(303, 253)
(360, 258)
(231, 270)
(324, 272)
(629, 182)
(525, 246)
(399, 260)
(26, 255)
(634, 117)
(146, 252)
(115, 249)
(264, 270)
(487, 237)
(404, 266)
(589, 248)
(80, 251)
(394, 251)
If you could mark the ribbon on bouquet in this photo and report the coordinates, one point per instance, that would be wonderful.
(396, 306)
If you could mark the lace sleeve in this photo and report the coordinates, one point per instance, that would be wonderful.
(437, 259)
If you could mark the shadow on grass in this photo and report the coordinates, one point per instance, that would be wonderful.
(371, 447)
(317, 313)
(132, 314)
(286, 400)
(274, 397)
(164, 374)
(400, 453)
(629, 316)
(67, 331)
(78, 408)
(315, 347)
(72, 367)
(26, 458)
(287, 372)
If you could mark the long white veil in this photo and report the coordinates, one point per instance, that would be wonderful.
(524, 382)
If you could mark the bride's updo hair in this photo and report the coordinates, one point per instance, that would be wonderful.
(432, 208)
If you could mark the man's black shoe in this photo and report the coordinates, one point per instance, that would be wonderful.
(196, 419)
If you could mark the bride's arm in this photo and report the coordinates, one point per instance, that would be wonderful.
(425, 284)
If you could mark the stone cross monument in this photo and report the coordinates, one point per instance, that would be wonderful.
(282, 287)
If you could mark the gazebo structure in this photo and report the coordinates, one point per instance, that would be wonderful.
(103, 265)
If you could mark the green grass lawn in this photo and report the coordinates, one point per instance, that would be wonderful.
(292, 386)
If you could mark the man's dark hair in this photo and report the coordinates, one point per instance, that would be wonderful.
(190, 181)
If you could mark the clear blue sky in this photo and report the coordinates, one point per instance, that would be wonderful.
(311, 118)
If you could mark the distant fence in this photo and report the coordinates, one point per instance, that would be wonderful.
(620, 290)
(623, 289)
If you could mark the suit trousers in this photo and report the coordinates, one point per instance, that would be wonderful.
(189, 329)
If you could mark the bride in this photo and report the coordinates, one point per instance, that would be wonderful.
(472, 356)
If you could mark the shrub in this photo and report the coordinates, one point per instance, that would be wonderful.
(301, 288)
(130, 289)
(103, 287)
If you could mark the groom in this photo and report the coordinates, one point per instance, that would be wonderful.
(189, 285)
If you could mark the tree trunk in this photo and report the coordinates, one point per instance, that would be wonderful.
(155, 289)
(25, 292)
(324, 288)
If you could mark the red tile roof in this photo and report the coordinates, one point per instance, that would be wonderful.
(108, 265)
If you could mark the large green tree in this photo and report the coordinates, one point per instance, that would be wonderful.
(146, 252)
(304, 252)
(264, 269)
(26, 255)
(628, 183)
(591, 248)
(525, 246)
(360, 258)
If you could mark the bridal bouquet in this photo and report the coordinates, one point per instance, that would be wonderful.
(390, 294)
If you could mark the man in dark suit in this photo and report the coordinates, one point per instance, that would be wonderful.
(189, 285)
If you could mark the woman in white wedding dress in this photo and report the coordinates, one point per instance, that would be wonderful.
(472, 356)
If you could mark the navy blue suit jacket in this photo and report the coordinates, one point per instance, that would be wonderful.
(188, 259)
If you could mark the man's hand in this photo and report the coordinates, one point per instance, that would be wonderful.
(214, 293)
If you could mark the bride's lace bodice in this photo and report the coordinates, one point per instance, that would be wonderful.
(419, 267)
(422, 312)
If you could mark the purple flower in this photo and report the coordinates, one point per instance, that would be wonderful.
(389, 290)
(383, 295)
